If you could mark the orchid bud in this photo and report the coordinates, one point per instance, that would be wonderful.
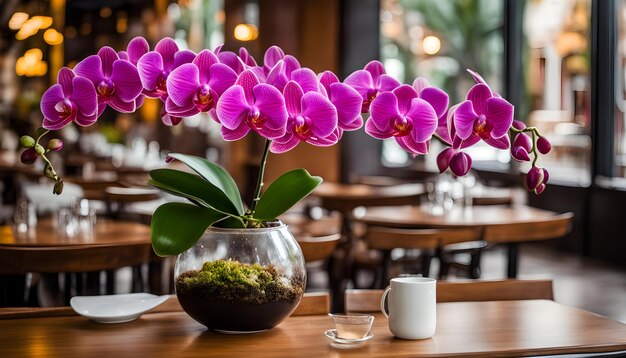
(27, 141)
(540, 189)
(58, 187)
(522, 140)
(519, 125)
(40, 149)
(534, 178)
(546, 176)
(29, 156)
(543, 145)
(520, 154)
(55, 144)
(460, 163)
(443, 159)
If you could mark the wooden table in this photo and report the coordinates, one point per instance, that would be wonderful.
(457, 217)
(106, 232)
(464, 329)
(345, 197)
(416, 216)
(113, 244)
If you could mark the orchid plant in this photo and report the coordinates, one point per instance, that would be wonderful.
(283, 102)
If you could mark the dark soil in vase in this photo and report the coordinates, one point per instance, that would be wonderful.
(231, 296)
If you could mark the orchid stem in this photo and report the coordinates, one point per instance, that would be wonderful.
(259, 181)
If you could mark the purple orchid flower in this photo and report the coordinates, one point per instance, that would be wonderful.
(116, 81)
(273, 55)
(485, 116)
(73, 98)
(195, 87)
(136, 48)
(345, 98)
(433, 95)
(370, 81)
(238, 63)
(250, 104)
(403, 115)
(312, 119)
(155, 66)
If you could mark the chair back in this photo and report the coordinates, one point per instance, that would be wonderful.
(383, 238)
(552, 228)
(501, 290)
(313, 303)
(318, 248)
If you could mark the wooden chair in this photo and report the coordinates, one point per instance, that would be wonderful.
(512, 234)
(442, 243)
(18, 261)
(313, 303)
(454, 242)
(318, 248)
(386, 239)
(501, 290)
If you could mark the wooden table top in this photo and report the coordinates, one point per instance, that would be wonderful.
(345, 197)
(416, 216)
(364, 191)
(107, 232)
(464, 329)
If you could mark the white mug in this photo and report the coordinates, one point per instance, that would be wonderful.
(412, 307)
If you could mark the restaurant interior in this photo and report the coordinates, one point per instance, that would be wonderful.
(515, 257)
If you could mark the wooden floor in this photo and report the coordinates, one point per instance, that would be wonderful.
(579, 282)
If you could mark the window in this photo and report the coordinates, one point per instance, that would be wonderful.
(557, 84)
(439, 40)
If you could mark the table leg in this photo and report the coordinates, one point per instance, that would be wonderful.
(512, 260)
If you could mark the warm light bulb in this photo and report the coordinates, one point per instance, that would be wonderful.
(43, 22)
(53, 37)
(246, 32)
(431, 45)
(17, 20)
(106, 12)
(34, 53)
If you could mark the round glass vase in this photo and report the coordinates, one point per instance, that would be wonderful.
(241, 280)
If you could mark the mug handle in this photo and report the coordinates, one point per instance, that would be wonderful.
(382, 301)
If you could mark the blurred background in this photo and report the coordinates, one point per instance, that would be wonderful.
(560, 62)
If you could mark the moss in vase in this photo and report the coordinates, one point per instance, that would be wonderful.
(238, 282)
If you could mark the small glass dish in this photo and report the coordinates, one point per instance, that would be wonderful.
(345, 343)
(350, 330)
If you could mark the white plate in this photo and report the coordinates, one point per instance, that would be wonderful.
(346, 343)
(116, 308)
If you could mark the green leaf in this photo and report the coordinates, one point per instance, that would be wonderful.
(230, 223)
(176, 227)
(193, 188)
(215, 175)
(284, 193)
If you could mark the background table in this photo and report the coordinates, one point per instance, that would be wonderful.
(458, 217)
(112, 245)
(464, 329)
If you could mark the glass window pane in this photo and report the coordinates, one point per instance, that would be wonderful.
(439, 40)
(557, 84)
